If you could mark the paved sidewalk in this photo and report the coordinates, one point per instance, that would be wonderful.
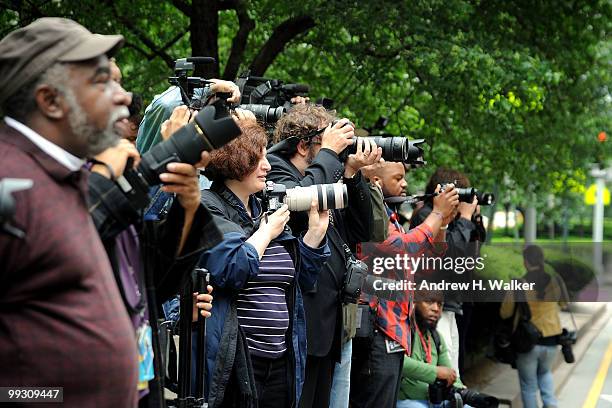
(501, 380)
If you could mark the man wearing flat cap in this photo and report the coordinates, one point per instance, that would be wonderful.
(62, 321)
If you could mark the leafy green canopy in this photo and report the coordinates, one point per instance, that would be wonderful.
(513, 93)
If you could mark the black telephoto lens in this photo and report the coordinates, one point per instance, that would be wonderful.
(394, 149)
(467, 195)
(568, 354)
(485, 198)
(265, 113)
(207, 132)
(414, 154)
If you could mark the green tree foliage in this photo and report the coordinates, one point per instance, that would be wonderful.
(513, 93)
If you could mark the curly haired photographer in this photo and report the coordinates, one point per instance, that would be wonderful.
(308, 144)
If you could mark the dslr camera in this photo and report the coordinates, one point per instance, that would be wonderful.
(440, 392)
(189, 84)
(212, 128)
(329, 196)
(566, 340)
(467, 195)
(394, 148)
(268, 99)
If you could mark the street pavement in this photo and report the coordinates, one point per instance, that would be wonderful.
(590, 383)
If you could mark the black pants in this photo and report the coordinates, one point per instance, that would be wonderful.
(318, 382)
(463, 327)
(271, 380)
(375, 374)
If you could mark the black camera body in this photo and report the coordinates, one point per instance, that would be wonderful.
(566, 340)
(268, 99)
(466, 195)
(267, 91)
(439, 392)
(188, 84)
(211, 129)
(356, 273)
(329, 196)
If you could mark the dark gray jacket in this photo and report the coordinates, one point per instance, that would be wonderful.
(350, 225)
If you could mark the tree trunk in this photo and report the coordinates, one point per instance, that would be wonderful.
(204, 29)
(530, 224)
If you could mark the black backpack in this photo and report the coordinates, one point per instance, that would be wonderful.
(525, 335)
(508, 340)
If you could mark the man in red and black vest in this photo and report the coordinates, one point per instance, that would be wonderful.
(378, 358)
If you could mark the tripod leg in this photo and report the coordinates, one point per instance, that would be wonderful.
(184, 380)
(202, 279)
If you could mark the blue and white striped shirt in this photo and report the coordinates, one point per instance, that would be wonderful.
(262, 304)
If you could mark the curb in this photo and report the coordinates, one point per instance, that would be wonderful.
(563, 371)
(501, 380)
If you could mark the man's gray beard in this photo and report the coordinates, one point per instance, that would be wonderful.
(96, 140)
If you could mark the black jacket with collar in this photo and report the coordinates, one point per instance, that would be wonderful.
(323, 305)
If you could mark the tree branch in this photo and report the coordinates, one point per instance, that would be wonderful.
(283, 34)
(129, 24)
(133, 46)
(246, 25)
(183, 7)
(174, 40)
(204, 29)
(371, 51)
(230, 4)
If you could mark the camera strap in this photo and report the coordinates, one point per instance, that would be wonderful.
(434, 336)
(566, 298)
(348, 255)
(337, 238)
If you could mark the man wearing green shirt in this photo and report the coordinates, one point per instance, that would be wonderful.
(427, 361)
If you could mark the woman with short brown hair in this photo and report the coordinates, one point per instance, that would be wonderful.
(256, 335)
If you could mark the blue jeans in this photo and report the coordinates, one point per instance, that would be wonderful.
(534, 370)
(339, 397)
(423, 404)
